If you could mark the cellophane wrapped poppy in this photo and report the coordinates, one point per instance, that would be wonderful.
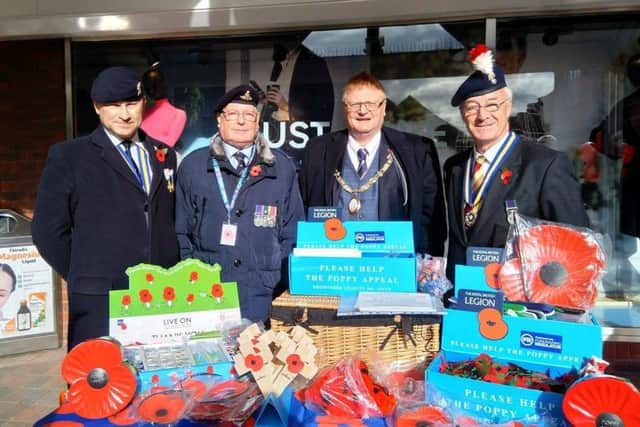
(562, 266)
(423, 415)
(602, 400)
(100, 384)
(227, 401)
(165, 407)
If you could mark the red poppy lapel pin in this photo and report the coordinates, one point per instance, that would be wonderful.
(505, 176)
(255, 170)
(161, 154)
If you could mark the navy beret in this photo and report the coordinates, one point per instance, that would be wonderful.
(487, 78)
(243, 94)
(116, 84)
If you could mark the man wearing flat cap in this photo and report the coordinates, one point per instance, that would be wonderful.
(238, 204)
(500, 166)
(105, 203)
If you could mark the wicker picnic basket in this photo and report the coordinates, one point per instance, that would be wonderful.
(406, 338)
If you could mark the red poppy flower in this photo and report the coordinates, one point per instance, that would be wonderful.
(602, 397)
(100, 384)
(193, 277)
(190, 298)
(161, 154)
(169, 294)
(424, 415)
(145, 297)
(217, 291)
(505, 176)
(294, 363)
(196, 388)
(149, 278)
(255, 170)
(491, 271)
(165, 407)
(126, 300)
(563, 267)
(253, 362)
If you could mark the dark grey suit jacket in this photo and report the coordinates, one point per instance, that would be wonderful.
(542, 185)
(418, 161)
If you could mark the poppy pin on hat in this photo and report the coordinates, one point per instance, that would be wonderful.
(486, 78)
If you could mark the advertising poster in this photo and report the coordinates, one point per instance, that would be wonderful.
(26, 293)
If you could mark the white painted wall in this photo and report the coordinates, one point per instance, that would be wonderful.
(90, 19)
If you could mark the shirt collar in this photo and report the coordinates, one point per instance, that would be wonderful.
(116, 141)
(491, 153)
(372, 146)
(230, 150)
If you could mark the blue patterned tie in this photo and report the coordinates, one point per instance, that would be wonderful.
(126, 144)
(242, 160)
(362, 162)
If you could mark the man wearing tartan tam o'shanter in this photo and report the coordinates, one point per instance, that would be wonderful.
(500, 166)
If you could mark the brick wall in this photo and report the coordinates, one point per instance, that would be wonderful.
(32, 118)
(32, 115)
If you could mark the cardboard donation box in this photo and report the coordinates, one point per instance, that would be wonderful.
(169, 321)
(555, 348)
(361, 256)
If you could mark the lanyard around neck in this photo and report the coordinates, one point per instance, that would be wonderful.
(223, 192)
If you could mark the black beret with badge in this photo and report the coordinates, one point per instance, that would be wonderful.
(116, 84)
(243, 94)
(487, 77)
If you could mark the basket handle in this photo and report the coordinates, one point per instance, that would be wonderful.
(405, 326)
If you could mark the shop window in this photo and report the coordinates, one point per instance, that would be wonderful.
(588, 105)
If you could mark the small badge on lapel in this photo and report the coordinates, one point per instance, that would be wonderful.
(265, 216)
(168, 176)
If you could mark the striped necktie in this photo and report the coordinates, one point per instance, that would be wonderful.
(362, 162)
(138, 161)
(479, 170)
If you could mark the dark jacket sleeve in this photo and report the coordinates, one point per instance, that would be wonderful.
(293, 212)
(437, 227)
(53, 215)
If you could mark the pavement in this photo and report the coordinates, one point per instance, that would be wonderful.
(29, 386)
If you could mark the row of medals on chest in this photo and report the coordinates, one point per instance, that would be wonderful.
(355, 204)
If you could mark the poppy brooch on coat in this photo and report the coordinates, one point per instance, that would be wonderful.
(505, 176)
(161, 154)
(255, 170)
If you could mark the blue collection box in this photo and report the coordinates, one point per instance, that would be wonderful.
(553, 347)
(387, 262)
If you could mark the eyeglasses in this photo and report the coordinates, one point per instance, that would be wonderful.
(473, 108)
(234, 116)
(368, 106)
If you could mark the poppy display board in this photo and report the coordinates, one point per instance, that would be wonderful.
(164, 305)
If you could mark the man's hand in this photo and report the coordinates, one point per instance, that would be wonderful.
(275, 97)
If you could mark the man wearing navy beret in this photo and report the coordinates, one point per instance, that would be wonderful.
(238, 204)
(105, 203)
(500, 166)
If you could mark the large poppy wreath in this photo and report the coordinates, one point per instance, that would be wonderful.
(100, 384)
(562, 266)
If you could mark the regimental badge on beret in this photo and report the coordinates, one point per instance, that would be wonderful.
(116, 84)
(487, 77)
(243, 94)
